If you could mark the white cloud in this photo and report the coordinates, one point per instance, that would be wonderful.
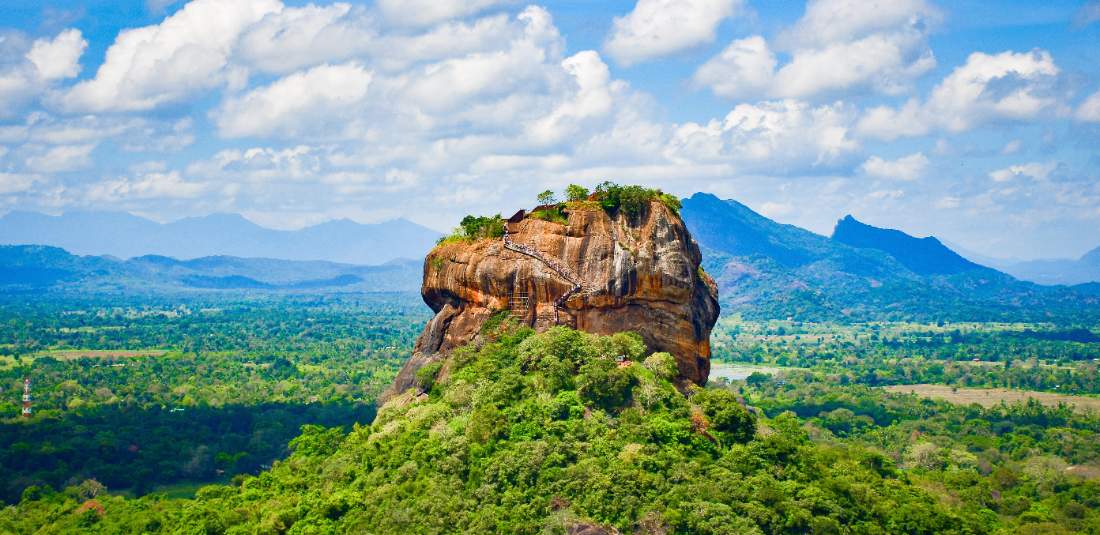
(26, 70)
(745, 68)
(1089, 110)
(1009, 85)
(261, 165)
(907, 168)
(787, 133)
(15, 183)
(592, 98)
(428, 12)
(153, 65)
(147, 186)
(297, 103)
(58, 58)
(831, 21)
(294, 38)
(948, 203)
(658, 28)
(1034, 171)
(62, 158)
(837, 45)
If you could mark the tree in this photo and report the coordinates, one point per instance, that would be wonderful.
(547, 197)
(576, 193)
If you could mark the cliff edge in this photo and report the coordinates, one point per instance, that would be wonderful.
(592, 269)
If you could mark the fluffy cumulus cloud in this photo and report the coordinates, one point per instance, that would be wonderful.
(1004, 86)
(302, 102)
(58, 58)
(657, 28)
(1033, 171)
(907, 168)
(775, 134)
(27, 69)
(294, 38)
(836, 45)
(153, 65)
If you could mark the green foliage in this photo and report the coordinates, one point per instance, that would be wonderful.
(507, 448)
(604, 384)
(1007, 463)
(473, 228)
(662, 365)
(553, 215)
(575, 193)
(632, 199)
(234, 382)
(425, 376)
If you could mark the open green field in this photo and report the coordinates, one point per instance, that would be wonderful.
(989, 397)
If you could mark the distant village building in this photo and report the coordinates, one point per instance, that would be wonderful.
(26, 398)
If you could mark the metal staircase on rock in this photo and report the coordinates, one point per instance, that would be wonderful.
(553, 264)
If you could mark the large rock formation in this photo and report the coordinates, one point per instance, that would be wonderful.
(599, 272)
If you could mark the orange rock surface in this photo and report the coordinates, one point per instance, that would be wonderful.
(601, 273)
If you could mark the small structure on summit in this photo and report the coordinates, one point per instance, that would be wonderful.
(620, 259)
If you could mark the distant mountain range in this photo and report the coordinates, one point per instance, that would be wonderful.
(767, 269)
(126, 236)
(1054, 271)
(764, 269)
(37, 269)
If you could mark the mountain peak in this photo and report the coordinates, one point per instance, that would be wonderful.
(924, 256)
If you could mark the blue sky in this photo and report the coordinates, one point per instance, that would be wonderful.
(977, 122)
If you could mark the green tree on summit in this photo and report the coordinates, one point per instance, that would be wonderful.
(547, 198)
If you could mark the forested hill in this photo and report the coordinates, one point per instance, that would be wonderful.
(765, 269)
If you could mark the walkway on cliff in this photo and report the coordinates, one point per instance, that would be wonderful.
(553, 264)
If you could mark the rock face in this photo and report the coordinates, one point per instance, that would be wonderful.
(599, 272)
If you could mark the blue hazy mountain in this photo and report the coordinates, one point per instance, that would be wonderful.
(126, 236)
(924, 256)
(766, 269)
(1057, 271)
(39, 268)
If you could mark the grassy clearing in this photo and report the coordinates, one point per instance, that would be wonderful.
(76, 354)
(988, 397)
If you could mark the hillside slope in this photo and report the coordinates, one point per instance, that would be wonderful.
(765, 269)
(125, 236)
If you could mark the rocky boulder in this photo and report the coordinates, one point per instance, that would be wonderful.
(598, 272)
